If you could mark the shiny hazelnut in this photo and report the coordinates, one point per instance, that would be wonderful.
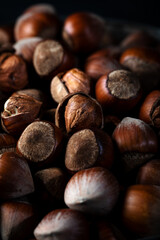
(15, 175)
(145, 62)
(50, 58)
(72, 81)
(78, 111)
(119, 91)
(94, 191)
(88, 148)
(40, 142)
(62, 223)
(37, 22)
(149, 173)
(138, 39)
(95, 67)
(18, 220)
(136, 142)
(7, 143)
(19, 111)
(13, 72)
(141, 210)
(150, 109)
(84, 32)
(25, 47)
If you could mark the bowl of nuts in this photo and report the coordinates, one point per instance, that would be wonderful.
(80, 128)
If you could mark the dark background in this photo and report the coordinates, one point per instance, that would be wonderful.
(146, 12)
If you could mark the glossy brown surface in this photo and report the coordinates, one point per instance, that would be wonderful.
(18, 220)
(15, 175)
(83, 32)
(61, 223)
(141, 210)
(88, 188)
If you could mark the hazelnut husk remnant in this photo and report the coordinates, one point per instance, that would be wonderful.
(87, 148)
(119, 91)
(40, 142)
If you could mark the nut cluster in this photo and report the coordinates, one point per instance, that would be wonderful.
(80, 129)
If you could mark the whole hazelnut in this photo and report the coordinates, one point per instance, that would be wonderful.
(84, 32)
(37, 21)
(94, 191)
(25, 48)
(40, 143)
(78, 111)
(150, 109)
(136, 142)
(50, 58)
(18, 220)
(72, 81)
(15, 175)
(13, 72)
(95, 67)
(19, 111)
(145, 62)
(62, 223)
(149, 173)
(141, 210)
(119, 91)
(87, 148)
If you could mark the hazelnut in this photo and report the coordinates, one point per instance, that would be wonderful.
(18, 220)
(19, 111)
(50, 58)
(119, 91)
(37, 22)
(88, 148)
(84, 32)
(78, 111)
(95, 67)
(40, 142)
(72, 81)
(25, 48)
(53, 182)
(149, 173)
(15, 175)
(62, 223)
(6, 34)
(94, 191)
(41, 7)
(138, 39)
(145, 62)
(13, 72)
(7, 143)
(150, 109)
(141, 210)
(136, 141)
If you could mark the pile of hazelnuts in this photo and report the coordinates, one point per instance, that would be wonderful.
(80, 130)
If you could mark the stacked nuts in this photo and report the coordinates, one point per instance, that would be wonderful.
(80, 129)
